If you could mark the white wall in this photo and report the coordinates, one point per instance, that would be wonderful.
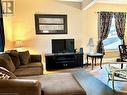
(24, 24)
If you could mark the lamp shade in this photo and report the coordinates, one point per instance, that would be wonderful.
(90, 42)
(19, 43)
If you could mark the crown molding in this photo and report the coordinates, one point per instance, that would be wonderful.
(80, 1)
(111, 2)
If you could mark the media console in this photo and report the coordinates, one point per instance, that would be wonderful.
(63, 60)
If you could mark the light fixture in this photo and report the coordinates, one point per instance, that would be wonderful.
(90, 45)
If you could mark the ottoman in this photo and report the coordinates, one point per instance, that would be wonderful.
(59, 84)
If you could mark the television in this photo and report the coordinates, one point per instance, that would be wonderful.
(62, 45)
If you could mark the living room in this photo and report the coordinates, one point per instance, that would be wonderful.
(21, 25)
(82, 24)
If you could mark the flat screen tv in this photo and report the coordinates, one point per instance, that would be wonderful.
(62, 45)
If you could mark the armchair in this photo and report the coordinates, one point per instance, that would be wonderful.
(117, 74)
(120, 73)
(123, 54)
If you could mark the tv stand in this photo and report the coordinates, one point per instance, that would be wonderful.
(63, 60)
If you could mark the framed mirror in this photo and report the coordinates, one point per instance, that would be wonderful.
(50, 24)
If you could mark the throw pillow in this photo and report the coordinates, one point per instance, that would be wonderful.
(4, 76)
(24, 57)
(6, 62)
(14, 56)
(7, 74)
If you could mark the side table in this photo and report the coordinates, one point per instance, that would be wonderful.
(95, 56)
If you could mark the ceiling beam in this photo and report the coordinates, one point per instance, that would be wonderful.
(88, 3)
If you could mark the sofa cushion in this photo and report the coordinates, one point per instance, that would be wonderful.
(6, 62)
(14, 56)
(4, 76)
(28, 71)
(34, 64)
(7, 73)
(24, 57)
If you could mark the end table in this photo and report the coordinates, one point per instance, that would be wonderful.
(95, 56)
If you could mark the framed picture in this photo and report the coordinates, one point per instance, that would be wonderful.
(50, 24)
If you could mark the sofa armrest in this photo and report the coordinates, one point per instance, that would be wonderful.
(20, 87)
(35, 58)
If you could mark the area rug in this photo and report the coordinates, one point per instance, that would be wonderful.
(91, 84)
(100, 74)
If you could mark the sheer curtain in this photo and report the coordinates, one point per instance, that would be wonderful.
(104, 25)
(2, 38)
(120, 21)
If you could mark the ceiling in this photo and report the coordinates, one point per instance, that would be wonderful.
(72, 0)
(120, 1)
(85, 4)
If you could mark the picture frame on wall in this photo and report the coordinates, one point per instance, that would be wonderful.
(51, 24)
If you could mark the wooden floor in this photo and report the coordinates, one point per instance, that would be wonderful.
(99, 73)
(102, 75)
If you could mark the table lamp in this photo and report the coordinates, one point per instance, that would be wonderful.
(90, 45)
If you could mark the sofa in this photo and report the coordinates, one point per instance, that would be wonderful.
(21, 63)
(11, 85)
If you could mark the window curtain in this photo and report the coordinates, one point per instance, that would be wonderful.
(120, 21)
(2, 38)
(104, 25)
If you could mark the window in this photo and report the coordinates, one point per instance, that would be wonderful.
(112, 41)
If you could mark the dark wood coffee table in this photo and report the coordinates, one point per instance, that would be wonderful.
(95, 56)
(92, 85)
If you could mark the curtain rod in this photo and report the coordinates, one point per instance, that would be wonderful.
(112, 12)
